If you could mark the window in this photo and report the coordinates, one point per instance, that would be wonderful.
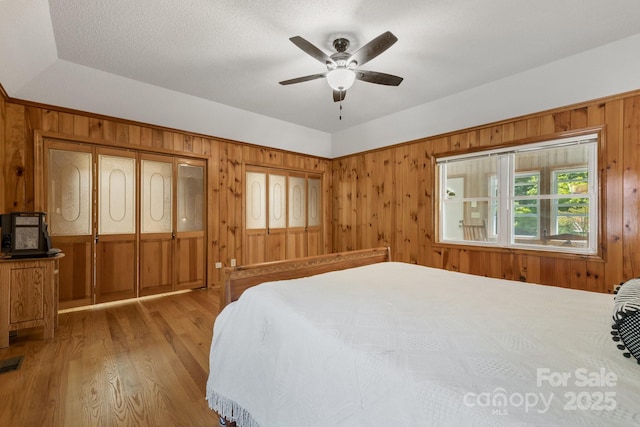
(526, 218)
(541, 196)
(571, 214)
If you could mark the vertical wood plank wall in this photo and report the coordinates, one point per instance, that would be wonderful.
(226, 162)
(381, 197)
(386, 197)
(3, 157)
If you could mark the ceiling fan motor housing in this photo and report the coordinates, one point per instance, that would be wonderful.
(341, 57)
(341, 44)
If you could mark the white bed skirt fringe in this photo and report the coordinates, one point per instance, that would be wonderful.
(230, 410)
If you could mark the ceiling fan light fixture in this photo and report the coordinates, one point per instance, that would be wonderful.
(341, 79)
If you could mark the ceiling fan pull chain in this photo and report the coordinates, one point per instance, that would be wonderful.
(340, 104)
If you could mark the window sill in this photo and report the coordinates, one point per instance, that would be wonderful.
(519, 250)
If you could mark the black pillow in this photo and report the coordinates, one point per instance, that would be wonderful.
(626, 319)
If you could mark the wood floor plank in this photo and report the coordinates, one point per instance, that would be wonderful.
(138, 363)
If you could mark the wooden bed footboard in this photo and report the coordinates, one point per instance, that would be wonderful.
(238, 279)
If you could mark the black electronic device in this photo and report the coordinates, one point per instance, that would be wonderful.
(25, 235)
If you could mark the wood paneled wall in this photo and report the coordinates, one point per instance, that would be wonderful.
(381, 197)
(226, 162)
(3, 157)
(386, 197)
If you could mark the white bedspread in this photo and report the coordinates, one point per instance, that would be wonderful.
(399, 344)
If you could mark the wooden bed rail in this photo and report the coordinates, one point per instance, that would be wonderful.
(240, 278)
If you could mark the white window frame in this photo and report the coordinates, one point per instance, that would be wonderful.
(537, 205)
(506, 196)
(492, 222)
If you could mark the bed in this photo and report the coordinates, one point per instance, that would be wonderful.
(353, 339)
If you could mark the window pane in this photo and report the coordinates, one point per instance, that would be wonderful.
(155, 197)
(190, 198)
(256, 200)
(452, 215)
(526, 184)
(466, 221)
(297, 201)
(571, 214)
(116, 195)
(552, 159)
(314, 206)
(277, 201)
(525, 218)
(69, 193)
(470, 170)
(526, 206)
(468, 209)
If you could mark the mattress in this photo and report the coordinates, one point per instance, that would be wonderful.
(400, 344)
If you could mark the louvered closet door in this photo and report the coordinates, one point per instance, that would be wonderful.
(156, 224)
(69, 201)
(116, 249)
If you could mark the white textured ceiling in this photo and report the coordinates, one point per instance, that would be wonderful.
(235, 52)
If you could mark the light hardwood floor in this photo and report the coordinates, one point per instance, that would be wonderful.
(139, 363)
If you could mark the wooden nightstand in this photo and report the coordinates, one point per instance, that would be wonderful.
(28, 295)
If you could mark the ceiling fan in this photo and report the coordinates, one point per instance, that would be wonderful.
(342, 66)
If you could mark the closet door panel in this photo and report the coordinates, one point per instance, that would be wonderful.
(116, 249)
(283, 220)
(190, 262)
(156, 196)
(297, 202)
(69, 191)
(156, 224)
(156, 265)
(277, 201)
(115, 268)
(256, 201)
(297, 216)
(314, 216)
(116, 195)
(314, 204)
(276, 247)
(255, 216)
(190, 235)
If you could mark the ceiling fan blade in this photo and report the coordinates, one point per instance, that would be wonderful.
(303, 79)
(378, 78)
(374, 48)
(310, 49)
(338, 95)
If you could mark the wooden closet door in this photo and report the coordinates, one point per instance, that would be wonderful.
(296, 216)
(69, 190)
(282, 214)
(116, 248)
(156, 224)
(190, 224)
(265, 215)
(276, 242)
(255, 216)
(314, 216)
